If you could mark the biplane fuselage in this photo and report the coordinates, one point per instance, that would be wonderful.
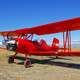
(29, 47)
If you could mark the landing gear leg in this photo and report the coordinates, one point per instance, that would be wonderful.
(57, 57)
(11, 58)
(56, 54)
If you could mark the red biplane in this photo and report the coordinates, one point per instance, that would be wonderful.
(25, 45)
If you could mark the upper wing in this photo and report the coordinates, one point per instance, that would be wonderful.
(10, 33)
(61, 26)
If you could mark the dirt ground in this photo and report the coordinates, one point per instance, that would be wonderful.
(65, 68)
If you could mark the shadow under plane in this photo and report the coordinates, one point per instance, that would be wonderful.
(50, 61)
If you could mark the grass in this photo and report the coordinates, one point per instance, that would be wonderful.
(4, 54)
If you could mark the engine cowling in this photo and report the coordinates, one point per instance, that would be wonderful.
(11, 45)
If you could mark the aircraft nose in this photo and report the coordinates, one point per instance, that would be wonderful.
(11, 45)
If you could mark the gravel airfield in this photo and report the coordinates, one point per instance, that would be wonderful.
(65, 68)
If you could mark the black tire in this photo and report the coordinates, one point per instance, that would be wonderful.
(11, 59)
(27, 63)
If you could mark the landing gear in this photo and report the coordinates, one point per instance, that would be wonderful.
(56, 54)
(11, 59)
(27, 63)
(57, 57)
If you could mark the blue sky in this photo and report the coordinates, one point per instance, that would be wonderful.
(16, 14)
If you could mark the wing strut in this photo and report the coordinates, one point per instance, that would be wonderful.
(67, 41)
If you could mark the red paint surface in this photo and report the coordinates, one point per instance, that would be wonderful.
(27, 47)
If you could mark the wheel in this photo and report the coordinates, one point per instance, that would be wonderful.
(27, 63)
(57, 57)
(11, 59)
